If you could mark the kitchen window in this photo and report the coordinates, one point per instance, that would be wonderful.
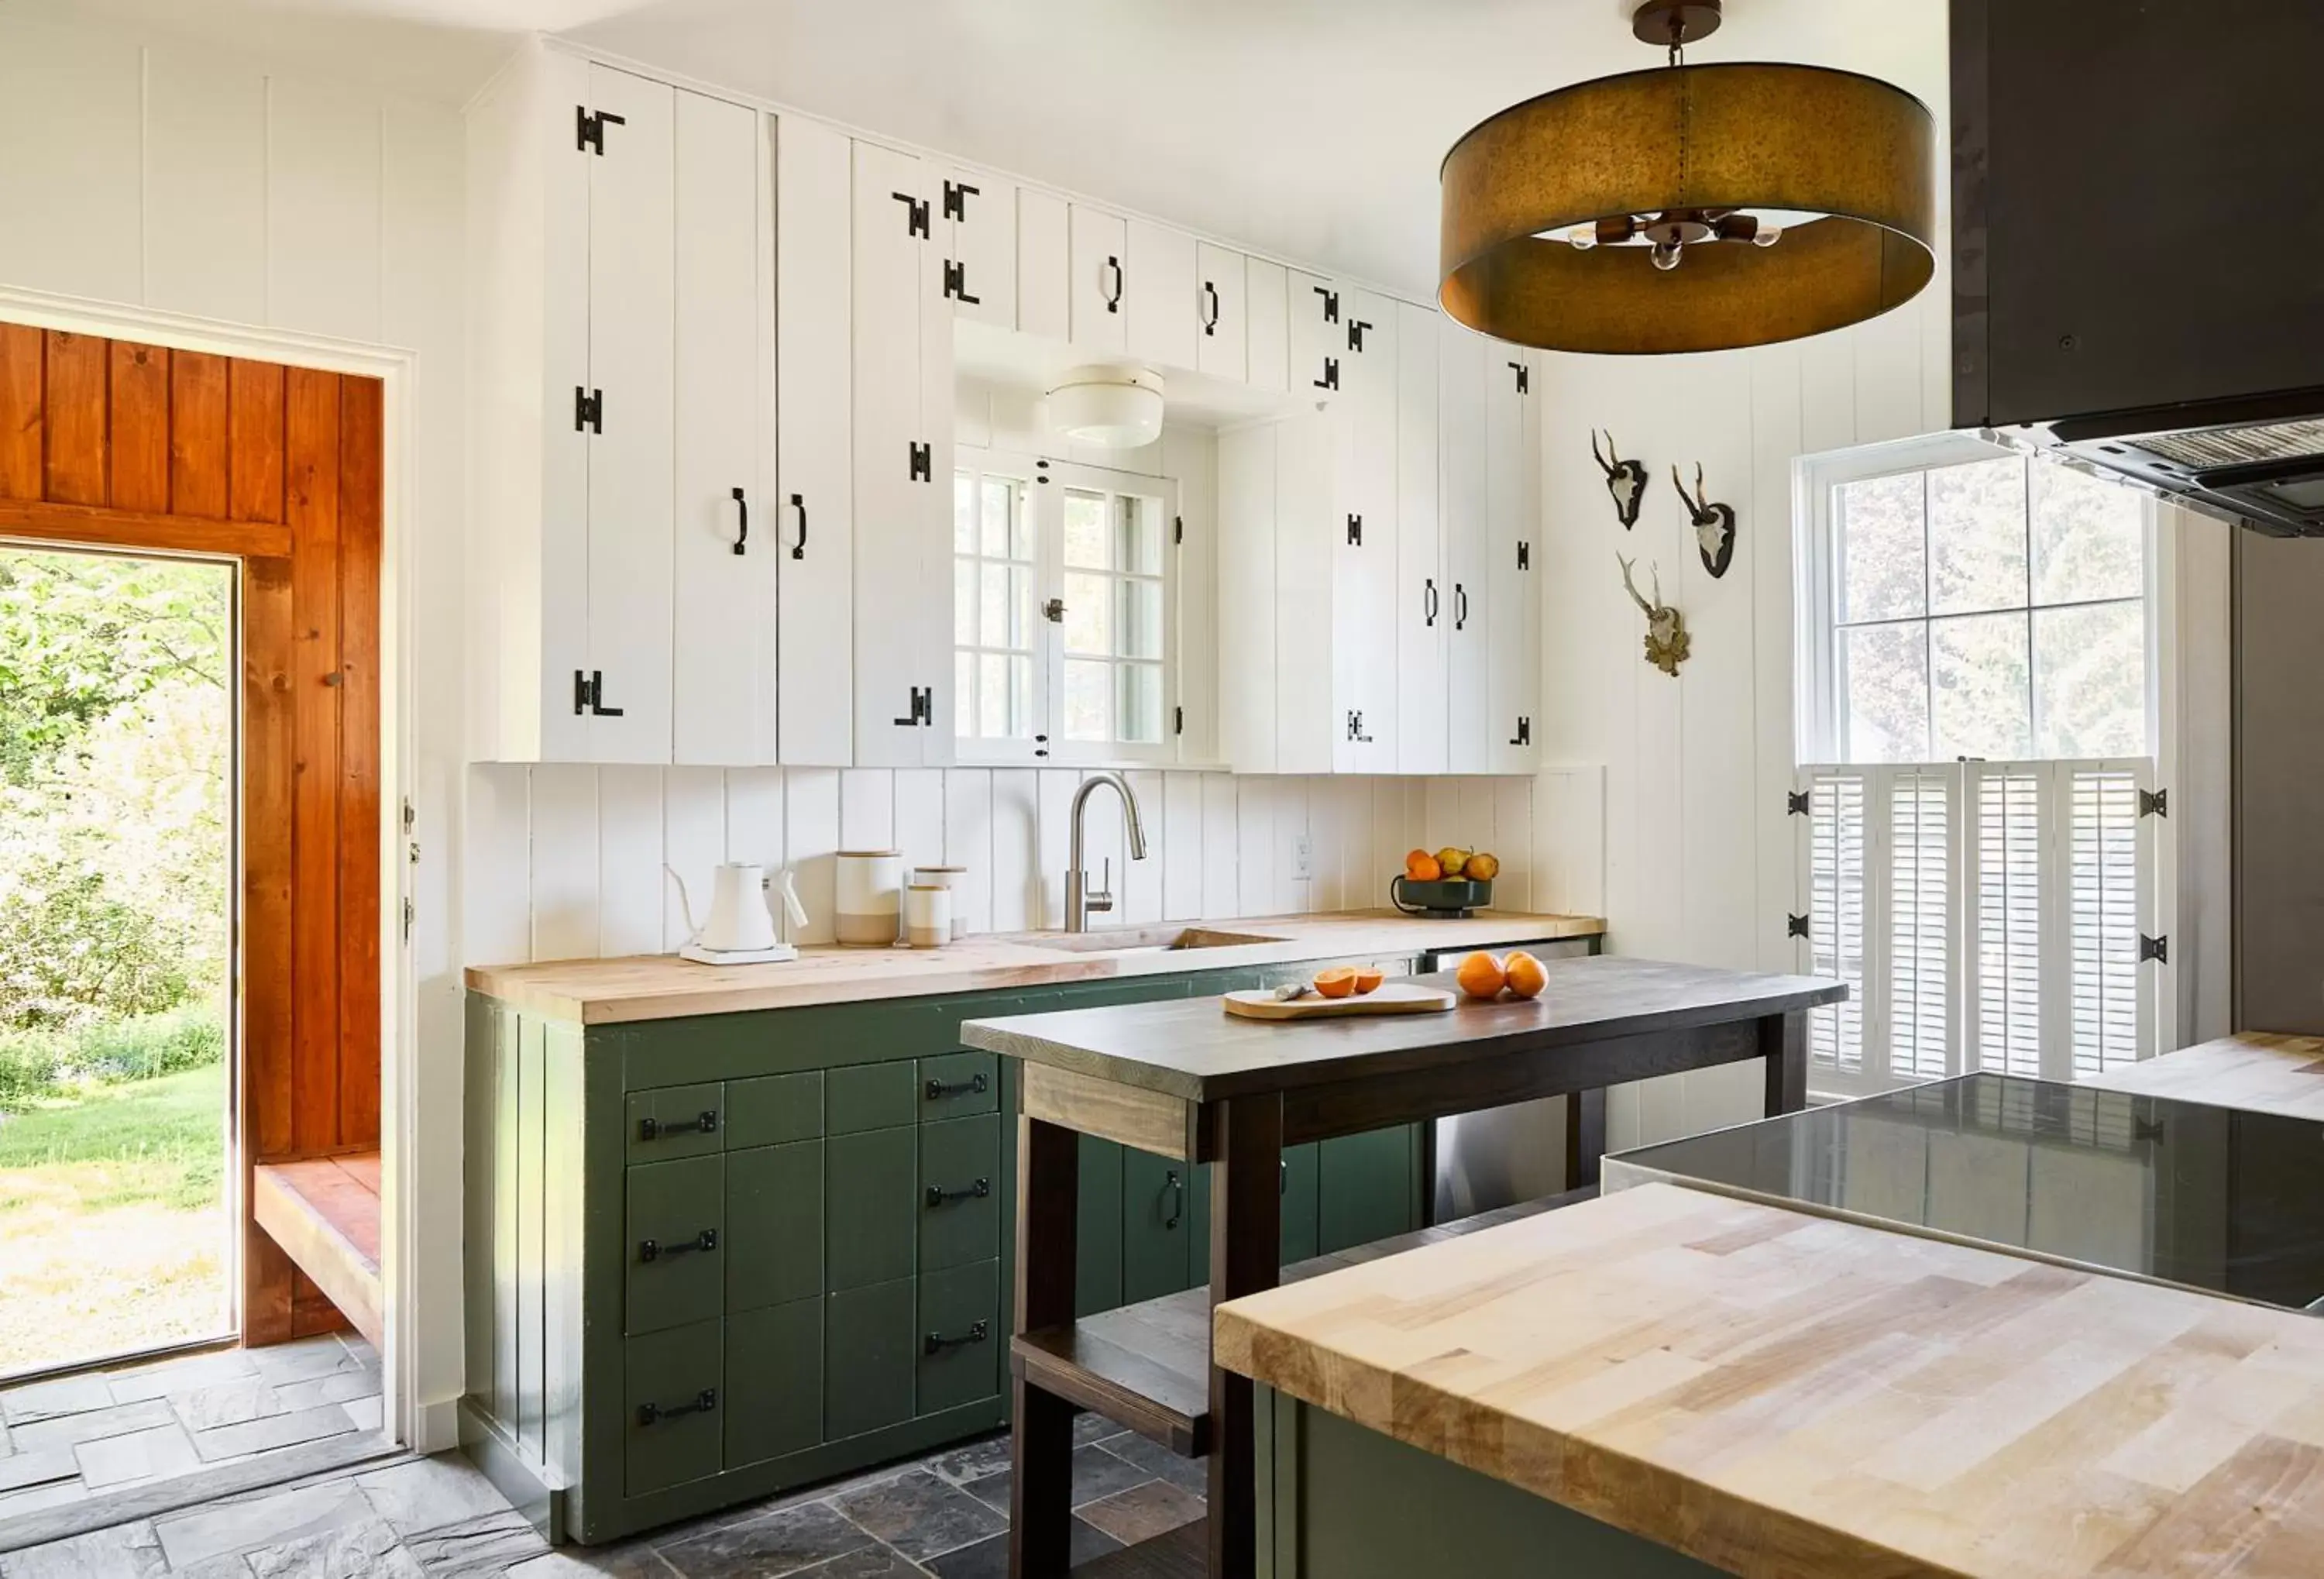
(1065, 611)
(1974, 817)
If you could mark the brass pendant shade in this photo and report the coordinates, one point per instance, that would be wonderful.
(1686, 146)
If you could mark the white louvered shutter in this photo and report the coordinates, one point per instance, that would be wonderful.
(1922, 924)
(2006, 957)
(2109, 995)
(1835, 902)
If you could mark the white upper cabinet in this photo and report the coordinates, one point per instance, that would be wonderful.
(1421, 586)
(1319, 335)
(1463, 524)
(1222, 322)
(1364, 541)
(1513, 514)
(1100, 251)
(1044, 265)
(1269, 324)
(1163, 304)
(976, 225)
(814, 521)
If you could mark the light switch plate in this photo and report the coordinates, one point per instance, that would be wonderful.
(1303, 858)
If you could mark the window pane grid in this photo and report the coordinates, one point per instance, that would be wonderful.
(1114, 624)
(996, 576)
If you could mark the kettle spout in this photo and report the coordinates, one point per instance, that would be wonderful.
(685, 904)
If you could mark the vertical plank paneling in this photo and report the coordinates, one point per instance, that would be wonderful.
(198, 435)
(139, 431)
(694, 842)
(76, 402)
(811, 840)
(630, 887)
(22, 429)
(267, 776)
(565, 898)
(311, 447)
(867, 809)
(968, 842)
(920, 818)
(254, 462)
(1222, 850)
(496, 864)
(359, 789)
(1182, 845)
(755, 820)
(1016, 839)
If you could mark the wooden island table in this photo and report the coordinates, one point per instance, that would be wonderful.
(1185, 1080)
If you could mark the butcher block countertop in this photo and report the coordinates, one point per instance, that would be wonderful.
(2254, 1070)
(1787, 1397)
(663, 987)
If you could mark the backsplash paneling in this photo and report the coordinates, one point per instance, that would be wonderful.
(567, 862)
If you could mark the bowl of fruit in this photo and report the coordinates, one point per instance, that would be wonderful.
(1450, 882)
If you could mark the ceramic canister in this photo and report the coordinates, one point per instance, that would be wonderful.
(867, 896)
(927, 915)
(947, 877)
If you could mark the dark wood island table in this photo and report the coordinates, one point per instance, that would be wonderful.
(1186, 1081)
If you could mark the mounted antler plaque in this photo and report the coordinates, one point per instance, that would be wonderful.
(1714, 524)
(1667, 642)
(1625, 480)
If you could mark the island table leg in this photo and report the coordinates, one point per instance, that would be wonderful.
(1041, 1426)
(1784, 1039)
(1245, 1258)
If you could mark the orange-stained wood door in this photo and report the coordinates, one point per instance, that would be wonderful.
(140, 446)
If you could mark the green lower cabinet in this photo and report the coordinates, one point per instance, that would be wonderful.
(1299, 1240)
(1364, 1187)
(961, 1337)
(673, 1393)
(869, 1343)
(774, 1109)
(1097, 1220)
(677, 1120)
(677, 1256)
(774, 1381)
(961, 1192)
(958, 1084)
(871, 1206)
(774, 1224)
(869, 1097)
(1156, 1232)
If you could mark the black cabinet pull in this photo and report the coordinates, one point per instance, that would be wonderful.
(938, 1195)
(704, 1122)
(1430, 600)
(1355, 532)
(937, 1342)
(1177, 1188)
(798, 548)
(1460, 607)
(743, 521)
(653, 1249)
(702, 1403)
(1113, 295)
(977, 1085)
(1211, 323)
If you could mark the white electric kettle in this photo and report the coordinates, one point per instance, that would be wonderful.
(740, 929)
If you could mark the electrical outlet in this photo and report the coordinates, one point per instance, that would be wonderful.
(1303, 858)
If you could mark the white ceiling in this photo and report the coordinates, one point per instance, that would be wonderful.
(1310, 129)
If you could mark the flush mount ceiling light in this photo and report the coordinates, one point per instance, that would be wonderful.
(1690, 207)
(1115, 408)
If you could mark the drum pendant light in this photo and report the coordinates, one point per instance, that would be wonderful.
(1690, 207)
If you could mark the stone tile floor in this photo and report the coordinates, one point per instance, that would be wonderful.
(81, 1436)
(944, 1515)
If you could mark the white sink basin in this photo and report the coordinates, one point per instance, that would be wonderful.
(1173, 938)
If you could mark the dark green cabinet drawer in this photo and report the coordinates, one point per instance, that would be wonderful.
(959, 1084)
(869, 1346)
(774, 1224)
(774, 1381)
(1364, 1187)
(1298, 1204)
(960, 1192)
(1097, 1221)
(774, 1109)
(871, 1206)
(869, 1097)
(677, 1217)
(1156, 1209)
(961, 1335)
(677, 1120)
(674, 1408)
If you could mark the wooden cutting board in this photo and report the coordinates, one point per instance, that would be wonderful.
(1393, 998)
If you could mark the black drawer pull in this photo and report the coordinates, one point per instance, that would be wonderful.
(653, 1249)
(702, 1404)
(977, 1084)
(704, 1122)
(937, 1196)
(1177, 1188)
(937, 1342)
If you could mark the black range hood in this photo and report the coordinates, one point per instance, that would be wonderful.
(2138, 243)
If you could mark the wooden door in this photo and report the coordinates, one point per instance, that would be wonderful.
(145, 448)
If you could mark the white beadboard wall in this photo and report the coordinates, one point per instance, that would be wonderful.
(565, 863)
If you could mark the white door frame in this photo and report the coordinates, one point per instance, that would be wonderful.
(398, 1019)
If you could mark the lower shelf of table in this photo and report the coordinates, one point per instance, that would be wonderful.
(1147, 1366)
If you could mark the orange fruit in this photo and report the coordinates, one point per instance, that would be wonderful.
(1368, 979)
(1420, 866)
(1527, 977)
(1338, 982)
(1481, 976)
(1482, 866)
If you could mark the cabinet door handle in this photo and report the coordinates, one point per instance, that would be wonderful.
(977, 1085)
(704, 1122)
(1430, 601)
(798, 548)
(1114, 294)
(742, 521)
(702, 1403)
(1460, 607)
(1177, 1188)
(937, 1342)
(1210, 293)
(653, 1249)
(938, 1195)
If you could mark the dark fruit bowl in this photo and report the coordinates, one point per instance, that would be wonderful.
(1450, 897)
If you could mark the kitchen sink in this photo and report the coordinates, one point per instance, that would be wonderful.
(1171, 939)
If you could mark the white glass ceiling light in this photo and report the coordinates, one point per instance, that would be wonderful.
(1115, 408)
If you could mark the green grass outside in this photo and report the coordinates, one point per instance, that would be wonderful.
(158, 1141)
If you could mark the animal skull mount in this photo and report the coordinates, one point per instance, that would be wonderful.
(1714, 524)
(1624, 479)
(1667, 642)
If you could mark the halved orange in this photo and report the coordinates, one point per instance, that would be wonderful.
(1368, 979)
(1339, 981)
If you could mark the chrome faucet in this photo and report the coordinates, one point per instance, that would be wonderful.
(1080, 898)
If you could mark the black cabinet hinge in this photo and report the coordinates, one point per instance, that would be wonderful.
(1356, 728)
(1795, 926)
(1795, 803)
(957, 194)
(1355, 532)
(1331, 379)
(2157, 949)
(1178, 721)
(1524, 736)
(923, 708)
(1331, 303)
(955, 283)
(1356, 328)
(1524, 378)
(1524, 556)
(589, 130)
(588, 410)
(589, 697)
(916, 468)
(2154, 803)
(915, 213)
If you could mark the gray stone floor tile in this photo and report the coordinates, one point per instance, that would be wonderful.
(1192, 1473)
(20, 1469)
(137, 1456)
(274, 1431)
(430, 1493)
(1143, 1512)
(871, 1563)
(187, 1374)
(921, 1515)
(992, 1491)
(295, 1361)
(228, 1566)
(365, 1549)
(1089, 1426)
(989, 1559)
(483, 1548)
(45, 1400)
(369, 1414)
(228, 1403)
(971, 1462)
(778, 1543)
(127, 1551)
(1099, 1474)
(635, 1560)
(269, 1519)
(333, 1387)
(72, 1430)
